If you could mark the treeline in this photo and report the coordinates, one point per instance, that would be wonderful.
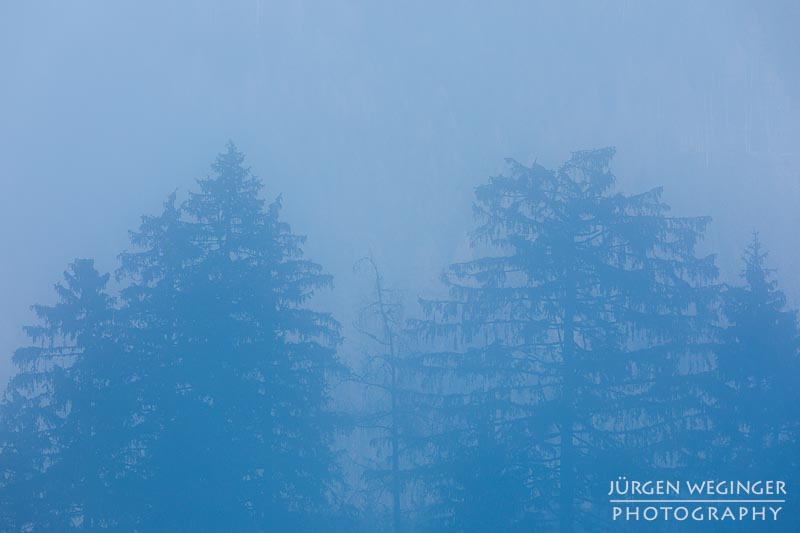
(588, 339)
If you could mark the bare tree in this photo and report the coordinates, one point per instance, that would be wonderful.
(380, 320)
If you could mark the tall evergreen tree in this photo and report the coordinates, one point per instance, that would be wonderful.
(572, 351)
(233, 364)
(156, 312)
(199, 405)
(758, 363)
(61, 434)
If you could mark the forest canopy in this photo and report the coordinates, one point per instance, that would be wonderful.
(198, 388)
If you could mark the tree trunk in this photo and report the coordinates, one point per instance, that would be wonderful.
(567, 470)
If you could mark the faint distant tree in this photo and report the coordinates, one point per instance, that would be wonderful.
(572, 350)
(381, 321)
(233, 365)
(61, 434)
(758, 364)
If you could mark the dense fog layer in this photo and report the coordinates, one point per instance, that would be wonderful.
(349, 266)
(376, 122)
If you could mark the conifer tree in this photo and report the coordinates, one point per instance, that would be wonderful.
(758, 413)
(573, 349)
(61, 434)
(233, 364)
(202, 403)
(156, 312)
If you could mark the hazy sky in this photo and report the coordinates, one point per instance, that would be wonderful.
(377, 120)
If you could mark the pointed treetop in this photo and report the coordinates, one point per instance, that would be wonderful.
(755, 273)
(231, 184)
(81, 302)
(230, 159)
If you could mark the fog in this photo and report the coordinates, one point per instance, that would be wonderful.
(375, 123)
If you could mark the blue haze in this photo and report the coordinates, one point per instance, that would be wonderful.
(376, 124)
(377, 121)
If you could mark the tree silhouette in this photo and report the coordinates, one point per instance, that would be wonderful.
(758, 361)
(578, 339)
(202, 402)
(584, 340)
(62, 438)
(233, 364)
(380, 320)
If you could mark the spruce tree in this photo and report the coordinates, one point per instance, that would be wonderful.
(201, 404)
(62, 433)
(572, 350)
(156, 314)
(233, 363)
(757, 416)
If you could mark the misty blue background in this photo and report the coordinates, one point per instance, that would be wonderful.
(376, 122)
